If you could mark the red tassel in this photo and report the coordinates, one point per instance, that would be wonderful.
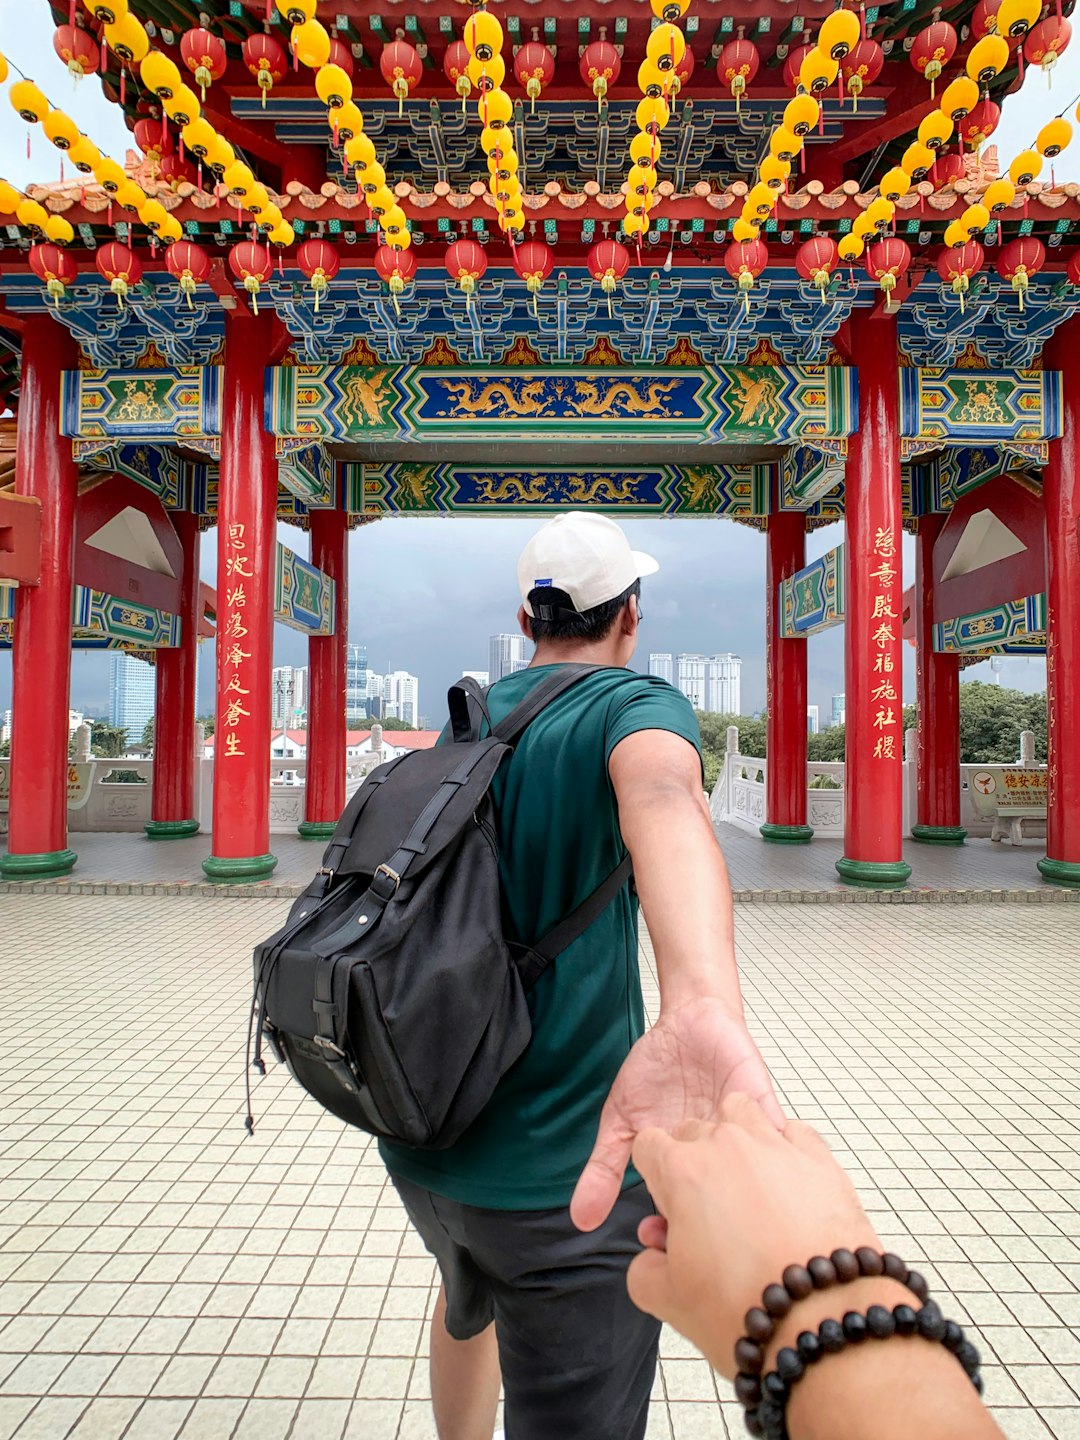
(62, 169)
(123, 79)
(164, 130)
(28, 142)
(102, 59)
(181, 147)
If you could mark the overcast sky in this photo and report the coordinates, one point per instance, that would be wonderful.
(426, 593)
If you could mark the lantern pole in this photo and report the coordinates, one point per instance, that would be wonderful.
(41, 660)
(785, 671)
(174, 807)
(1061, 497)
(247, 504)
(938, 786)
(873, 783)
(328, 655)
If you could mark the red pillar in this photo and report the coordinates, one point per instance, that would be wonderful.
(873, 785)
(246, 535)
(37, 838)
(173, 806)
(785, 670)
(938, 781)
(327, 661)
(1061, 496)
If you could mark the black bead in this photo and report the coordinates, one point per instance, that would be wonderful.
(918, 1286)
(870, 1262)
(977, 1381)
(907, 1322)
(895, 1268)
(775, 1388)
(789, 1365)
(759, 1325)
(809, 1347)
(880, 1322)
(931, 1323)
(797, 1281)
(747, 1389)
(822, 1272)
(846, 1266)
(968, 1357)
(953, 1337)
(749, 1356)
(832, 1337)
(855, 1327)
(776, 1301)
(753, 1424)
(770, 1417)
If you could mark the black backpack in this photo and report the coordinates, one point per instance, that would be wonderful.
(391, 992)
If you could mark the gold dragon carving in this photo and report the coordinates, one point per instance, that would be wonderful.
(755, 399)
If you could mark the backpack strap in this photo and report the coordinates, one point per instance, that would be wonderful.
(463, 699)
(343, 834)
(533, 960)
(513, 726)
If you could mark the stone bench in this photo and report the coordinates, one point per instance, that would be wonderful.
(1009, 821)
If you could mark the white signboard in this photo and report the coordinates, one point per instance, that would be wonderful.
(997, 789)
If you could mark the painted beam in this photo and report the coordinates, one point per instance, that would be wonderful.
(1015, 628)
(807, 475)
(979, 407)
(303, 595)
(136, 405)
(307, 472)
(103, 621)
(812, 599)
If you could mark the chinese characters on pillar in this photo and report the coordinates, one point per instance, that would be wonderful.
(1051, 716)
(884, 620)
(234, 691)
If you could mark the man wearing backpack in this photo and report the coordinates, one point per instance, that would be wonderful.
(532, 1214)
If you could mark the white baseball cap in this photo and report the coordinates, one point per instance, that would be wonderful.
(585, 555)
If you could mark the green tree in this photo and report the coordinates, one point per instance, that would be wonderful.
(714, 730)
(826, 745)
(5, 750)
(207, 722)
(148, 734)
(108, 741)
(991, 719)
(393, 723)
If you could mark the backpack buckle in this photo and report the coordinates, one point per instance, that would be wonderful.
(391, 875)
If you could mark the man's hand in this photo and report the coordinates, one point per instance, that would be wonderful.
(682, 1069)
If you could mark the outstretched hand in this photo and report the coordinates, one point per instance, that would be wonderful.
(682, 1069)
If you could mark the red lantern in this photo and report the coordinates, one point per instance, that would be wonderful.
(152, 139)
(397, 268)
(1072, 270)
(121, 267)
(683, 71)
(600, 66)
(1046, 41)
(465, 263)
(815, 260)
(534, 67)
(401, 68)
(265, 57)
(984, 19)
(54, 268)
(456, 68)
(252, 264)
(77, 49)
(1019, 261)
(793, 64)
(190, 264)
(738, 64)
(860, 67)
(608, 262)
(979, 123)
(957, 266)
(932, 50)
(534, 262)
(886, 262)
(204, 55)
(744, 262)
(320, 262)
(175, 171)
(948, 169)
(341, 56)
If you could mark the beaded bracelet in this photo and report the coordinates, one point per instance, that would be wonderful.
(767, 1418)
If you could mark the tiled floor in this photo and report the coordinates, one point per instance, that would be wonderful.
(755, 866)
(161, 1274)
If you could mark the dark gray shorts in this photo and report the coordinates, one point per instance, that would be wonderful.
(577, 1358)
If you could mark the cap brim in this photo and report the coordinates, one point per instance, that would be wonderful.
(645, 564)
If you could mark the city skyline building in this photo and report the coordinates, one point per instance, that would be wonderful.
(131, 695)
(712, 683)
(401, 697)
(838, 710)
(662, 664)
(506, 655)
(813, 720)
(288, 695)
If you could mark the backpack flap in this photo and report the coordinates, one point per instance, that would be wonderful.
(394, 807)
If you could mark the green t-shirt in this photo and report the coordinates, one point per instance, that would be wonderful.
(559, 837)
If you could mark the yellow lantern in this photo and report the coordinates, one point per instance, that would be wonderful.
(652, 80)
(282, 235)
(483, 35)
(862, 225)
(1016, 17)
(935, 130)
(255, 200)
(955, 235)
(10, 198)
(393, 221)
(743, 232)
(296, 11)
(269, 218)
(652, 115)
(749, 213)
(801, 114)
(960, 98)
(60, 129)
(400, 241)
(774, 172)
(311, 44)
(880, 213)
(152, 213)
(506, 164)
(999, 195)
(1051, 140)
(127, 39)
(666, 47)
(59, 230)
(359, 151)
(839, 34)
(818, 71)
(917, 161)
(486, 74)
(784, 144)
(160, 75)
(635, 224)
(238, 179)
(975, 217)
(495, 109)
(373, 178)
(199, 136)
(333, 86)
(131, 196)
(1025, 167)
(381, 200)
(3, 69)
(851, 247)
(895, 184)
(169, 230)
(182, 106)
(763, 200)
(492, 140)
(84, 155)
(347, 121)
(109, 175)
(31, 215)
(221, 155)
(645, 150)
(987, 58)
(28, 101)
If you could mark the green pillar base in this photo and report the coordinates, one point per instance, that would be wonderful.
(939, 834)
(1058, 872)
(46, 866)
(170, 829)
(874, 874)
(238, 871)
(316, 829)
(786, 834)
